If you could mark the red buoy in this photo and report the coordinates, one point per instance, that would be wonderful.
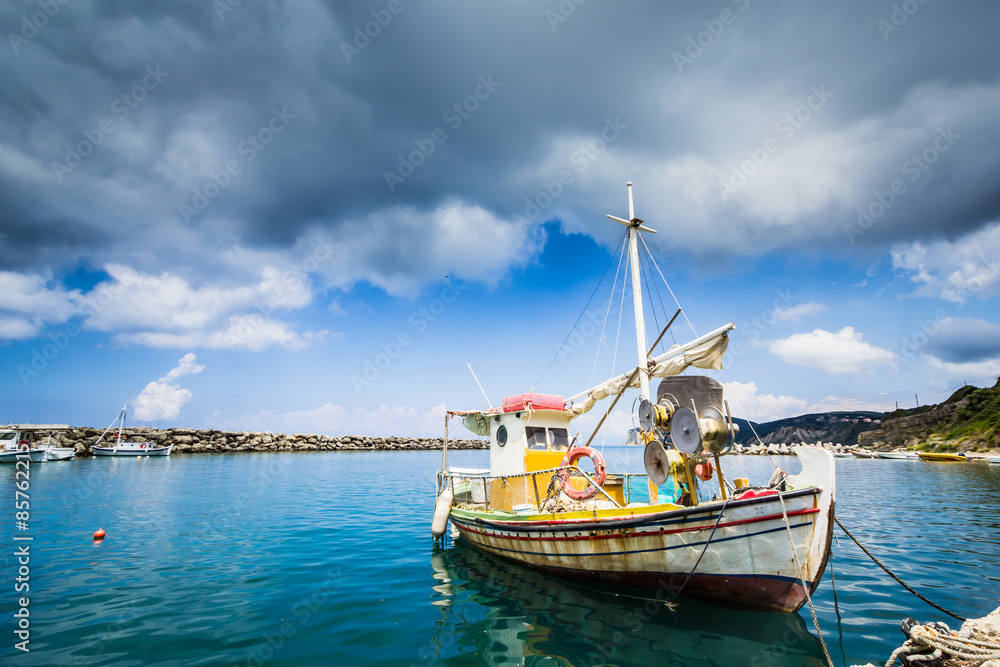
(99, 535)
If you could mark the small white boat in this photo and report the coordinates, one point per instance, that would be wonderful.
(18, 442)
(864, 455)
(118, 445)
(898, 455)
(993, 459)
(843, 455)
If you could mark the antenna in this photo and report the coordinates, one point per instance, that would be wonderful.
(480, 386)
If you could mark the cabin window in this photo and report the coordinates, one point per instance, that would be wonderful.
(7, 436)
(536, 437)
(502, 435)
(559, 438)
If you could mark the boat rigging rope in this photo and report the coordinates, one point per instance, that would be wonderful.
(923, 637)
(890, 573)
(702, 554)
(802, 577)
(582, 312)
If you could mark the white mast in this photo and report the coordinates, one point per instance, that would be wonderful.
(634, 224)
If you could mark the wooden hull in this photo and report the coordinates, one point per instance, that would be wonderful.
(747, 560)
(943, 458)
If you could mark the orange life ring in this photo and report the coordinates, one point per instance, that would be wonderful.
(24, 443)
(705, 469)
(572, 456)
(142, 446)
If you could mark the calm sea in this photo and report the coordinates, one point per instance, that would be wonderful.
(326, 558)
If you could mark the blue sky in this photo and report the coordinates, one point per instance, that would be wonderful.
(256, 217)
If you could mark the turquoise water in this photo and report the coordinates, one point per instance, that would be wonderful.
(326, 558)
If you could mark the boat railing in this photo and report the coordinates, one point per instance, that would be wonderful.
(566, 488)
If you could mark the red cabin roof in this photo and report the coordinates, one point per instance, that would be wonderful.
(533, 402)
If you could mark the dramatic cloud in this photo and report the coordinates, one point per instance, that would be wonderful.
(28, 302)
(960, 340)
(164, 399)
(953, 270)
(843, 351)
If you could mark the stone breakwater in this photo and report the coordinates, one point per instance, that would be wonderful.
(192, 441)
(786, 449)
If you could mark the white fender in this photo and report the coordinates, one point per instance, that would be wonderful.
(442, 508)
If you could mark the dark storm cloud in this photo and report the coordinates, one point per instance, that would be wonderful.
(962, 340)
(699, 87)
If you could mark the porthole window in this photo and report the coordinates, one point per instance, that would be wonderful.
(502, 435)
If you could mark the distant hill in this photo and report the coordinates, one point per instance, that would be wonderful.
(969, 420)
(842, 427)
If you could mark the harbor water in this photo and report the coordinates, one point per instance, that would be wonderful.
(327, 558)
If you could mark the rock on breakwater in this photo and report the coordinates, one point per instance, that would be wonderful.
(194, 441)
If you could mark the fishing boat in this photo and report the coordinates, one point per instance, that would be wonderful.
(118, 444)
(898, 455)
(671, 528)
(942, 457)
(20, 442)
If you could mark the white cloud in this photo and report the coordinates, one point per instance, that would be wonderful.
(401, 248)
(750, 405)
(843, 351)
(970, 370)
(953, 270)
(163, 399)
(795, 312)
(30, 304)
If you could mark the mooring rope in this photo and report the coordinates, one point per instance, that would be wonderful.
(923, 637)
(891, 574)
(802, 578)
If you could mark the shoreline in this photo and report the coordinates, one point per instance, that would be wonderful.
(212, 441)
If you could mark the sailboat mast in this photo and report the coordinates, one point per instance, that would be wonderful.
(640, 323)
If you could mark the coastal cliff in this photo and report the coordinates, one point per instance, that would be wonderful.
(186, 440)
(969, 420)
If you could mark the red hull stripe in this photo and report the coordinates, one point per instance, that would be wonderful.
(585, 538)
(637, 551)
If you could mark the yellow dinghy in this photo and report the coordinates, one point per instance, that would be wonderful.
(942, 457)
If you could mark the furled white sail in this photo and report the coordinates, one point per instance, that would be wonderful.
(704, 352)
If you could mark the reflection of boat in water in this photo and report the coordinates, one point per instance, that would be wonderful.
(509, 614)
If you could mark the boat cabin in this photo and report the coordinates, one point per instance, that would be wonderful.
(530, 432)
(11, 436)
